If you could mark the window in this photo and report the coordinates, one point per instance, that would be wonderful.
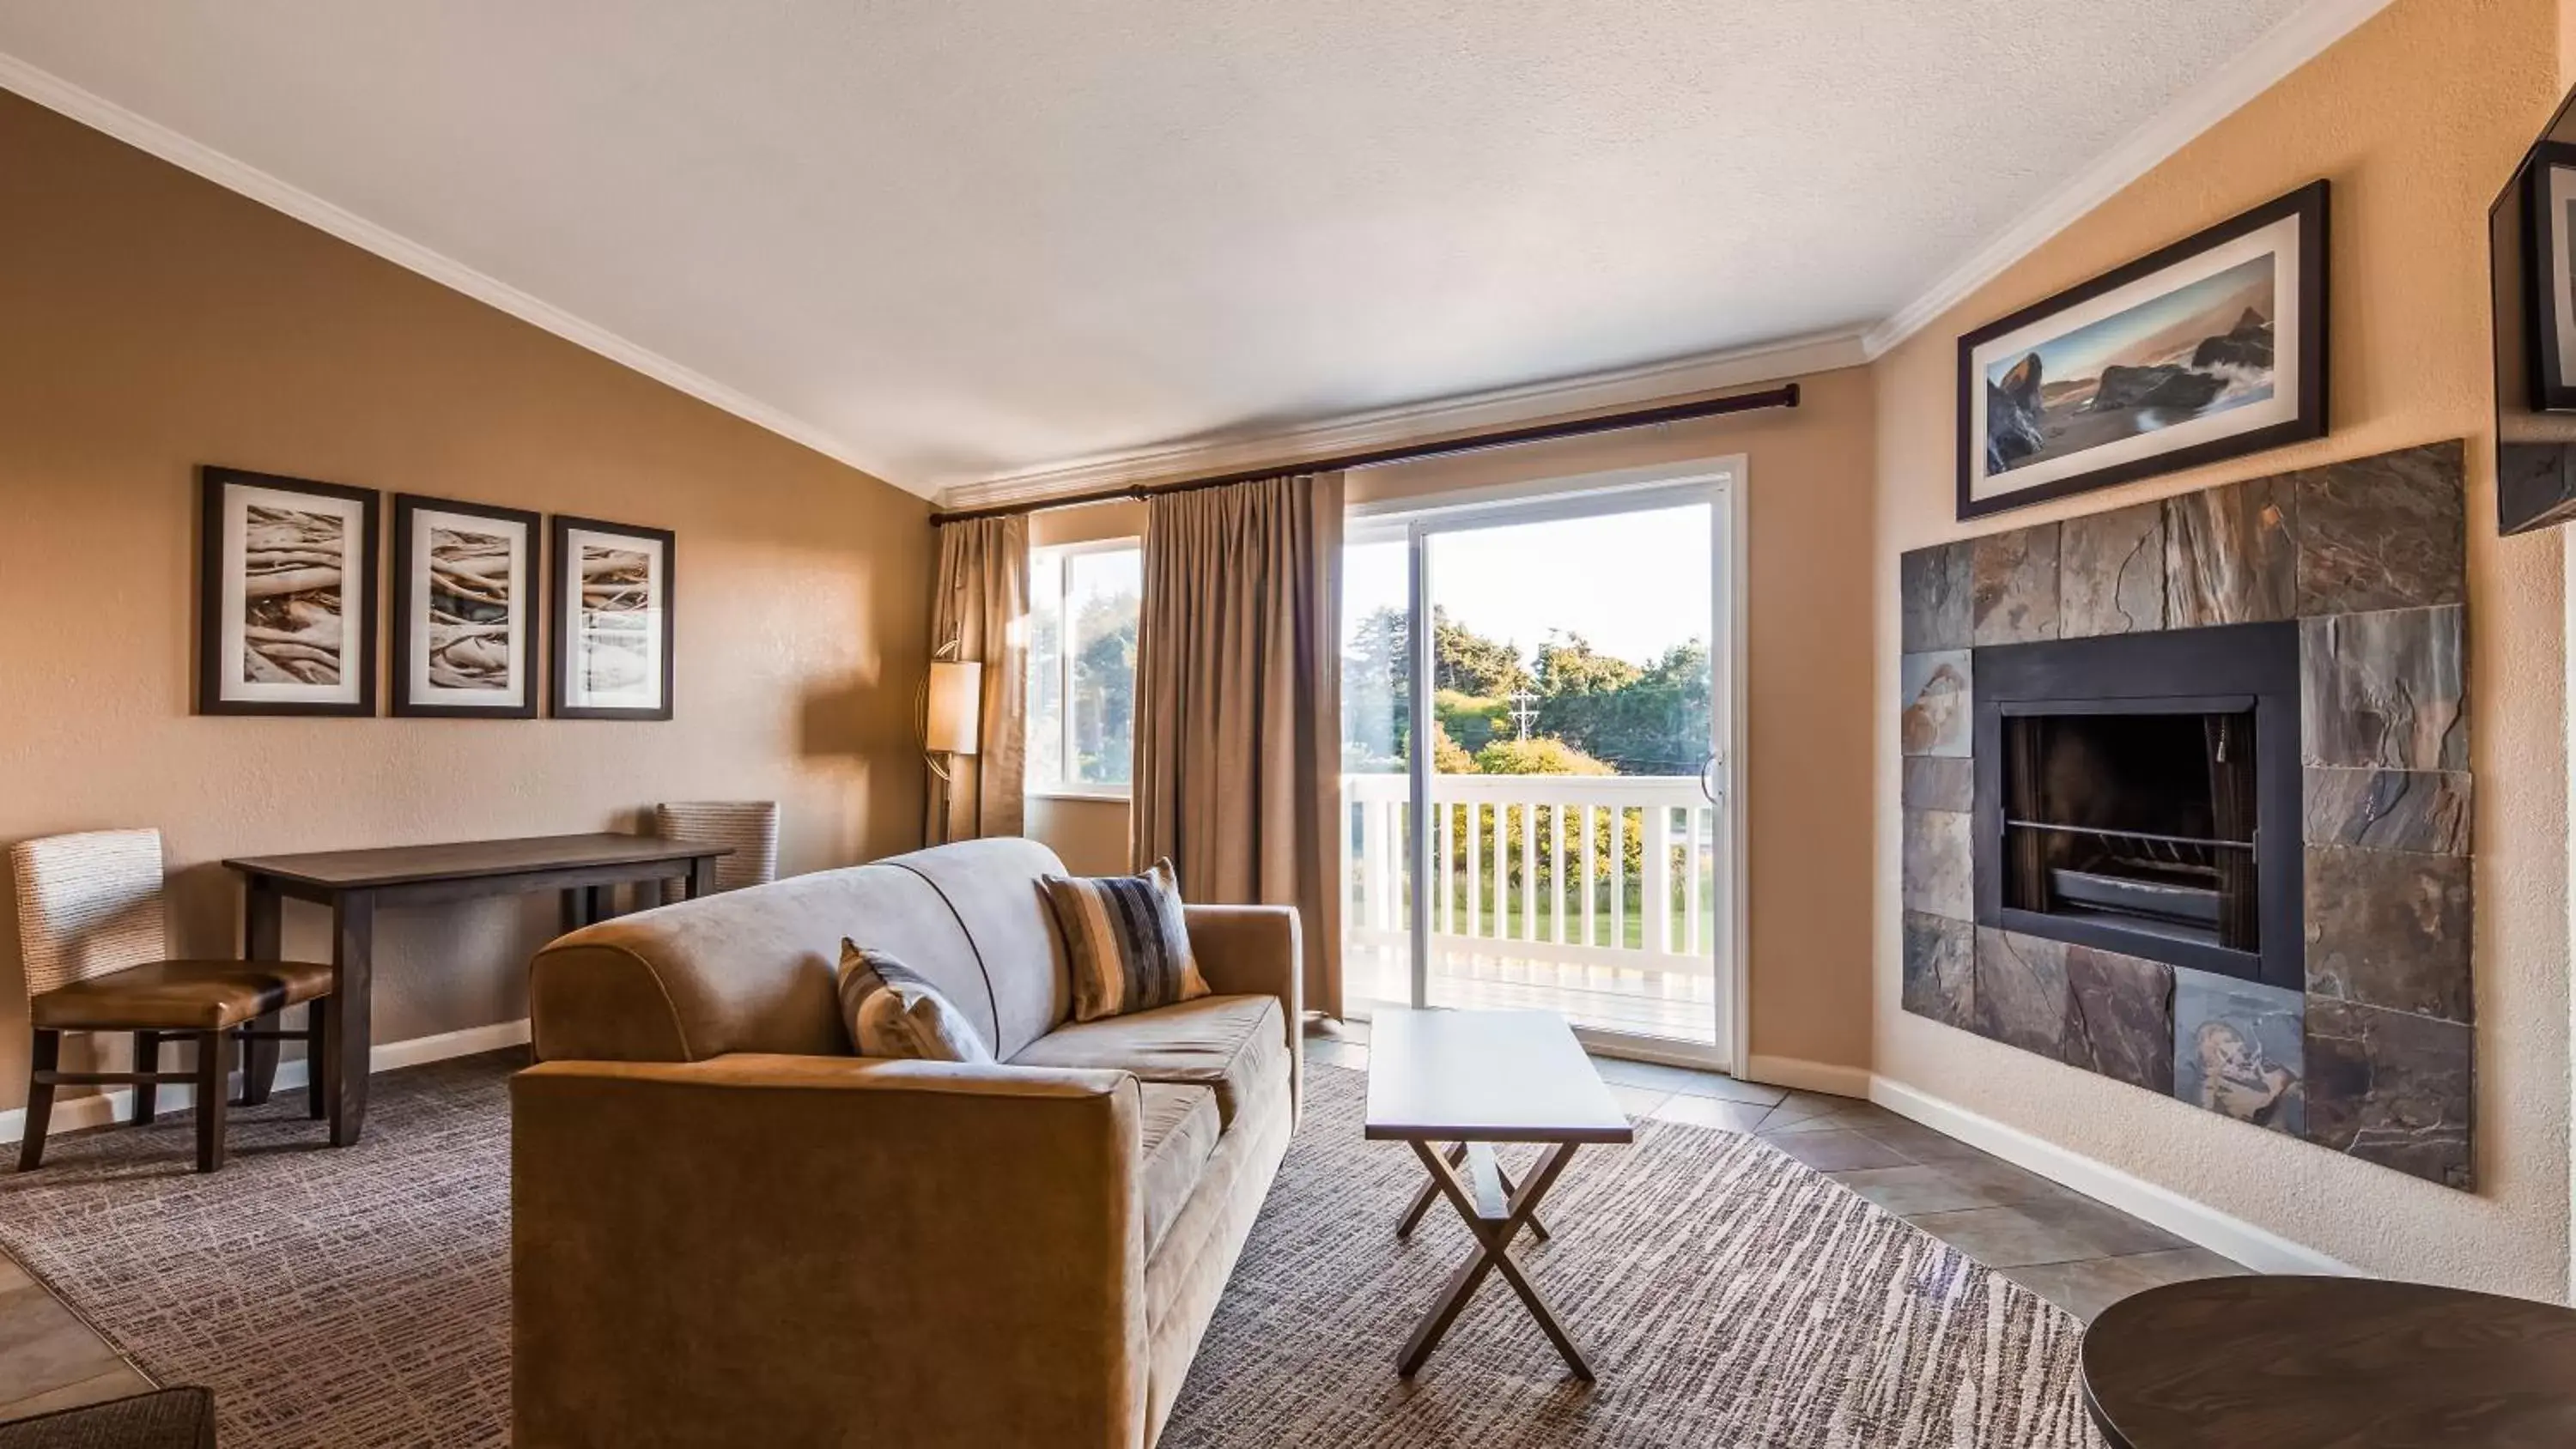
(1082, 667)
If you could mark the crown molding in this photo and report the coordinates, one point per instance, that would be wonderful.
(151, 137)
(1412, 422)
(2298, 39)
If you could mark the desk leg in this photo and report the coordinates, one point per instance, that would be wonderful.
(702, 877)
(602, 904)
(262, 940)
(576, 910)
(353, 945)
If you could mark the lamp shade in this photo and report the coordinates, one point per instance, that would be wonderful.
(956, 710)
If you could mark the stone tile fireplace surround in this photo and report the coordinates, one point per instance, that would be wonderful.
(2371, 1055)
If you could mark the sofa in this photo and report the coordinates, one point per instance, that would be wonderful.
(729, 1229)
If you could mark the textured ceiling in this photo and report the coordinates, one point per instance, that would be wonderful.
(963, 240)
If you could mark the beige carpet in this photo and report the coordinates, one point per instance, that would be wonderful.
(1729, 1296)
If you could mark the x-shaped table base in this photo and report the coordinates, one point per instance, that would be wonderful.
(1495, 1212)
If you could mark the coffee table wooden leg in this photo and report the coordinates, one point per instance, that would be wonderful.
(1494, 1231)
(1430, 1194)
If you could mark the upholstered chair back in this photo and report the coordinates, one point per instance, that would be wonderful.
(749, 826)
(88, 904)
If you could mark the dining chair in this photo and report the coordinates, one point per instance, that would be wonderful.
(749, 826)
(94, 932)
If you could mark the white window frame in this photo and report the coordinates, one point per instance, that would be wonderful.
(1066, 553)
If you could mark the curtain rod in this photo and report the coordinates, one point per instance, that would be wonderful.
(1783, 396)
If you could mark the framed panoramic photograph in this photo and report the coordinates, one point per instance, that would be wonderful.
(286, 596)
(2549, 261)
(2211, 348)
(464, 609)
(612, 588)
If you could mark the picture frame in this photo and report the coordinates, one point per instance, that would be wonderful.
(466, 602)
(2211, 348)
(613, 619)
(2549, 271)
(286, 595)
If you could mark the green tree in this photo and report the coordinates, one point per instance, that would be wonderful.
(1377, 693)
(1104, 688)
(1468, 662)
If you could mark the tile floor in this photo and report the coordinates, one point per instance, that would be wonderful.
(2078, 1253)
(2075, 1251)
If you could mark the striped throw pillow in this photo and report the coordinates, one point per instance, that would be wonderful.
(894, 1012)
(1126, 941)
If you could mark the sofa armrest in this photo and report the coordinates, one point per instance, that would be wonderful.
(782, 1249)
(1256, 951)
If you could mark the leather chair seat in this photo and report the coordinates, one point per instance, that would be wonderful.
(1234, 1044)
(1179, 1131)
(179, 996)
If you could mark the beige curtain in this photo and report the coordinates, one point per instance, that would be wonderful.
(1239, 703)
(982, 606)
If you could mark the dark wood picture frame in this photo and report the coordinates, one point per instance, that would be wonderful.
(566, 655)
(531, 604)
(214, 688)
(2545, 241)
(2309, 205)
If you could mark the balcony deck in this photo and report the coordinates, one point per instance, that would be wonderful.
(1593, 896)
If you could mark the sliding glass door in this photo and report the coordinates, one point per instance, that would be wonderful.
(1563, 842)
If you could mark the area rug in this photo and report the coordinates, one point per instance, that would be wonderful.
(1728, 1295)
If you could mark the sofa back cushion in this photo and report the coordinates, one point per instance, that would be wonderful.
(753, 970)
(993, 886)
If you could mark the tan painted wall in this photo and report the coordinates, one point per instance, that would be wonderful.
(1809, 475)
(155, 322)
(2418, 117)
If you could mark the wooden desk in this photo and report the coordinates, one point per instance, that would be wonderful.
(2329, 1363)
(353, 883)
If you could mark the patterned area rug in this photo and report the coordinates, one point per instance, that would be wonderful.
(1727, 1295)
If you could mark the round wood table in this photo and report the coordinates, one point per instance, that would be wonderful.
(2329, 1363)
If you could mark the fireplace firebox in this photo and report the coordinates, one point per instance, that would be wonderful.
(2140, 793)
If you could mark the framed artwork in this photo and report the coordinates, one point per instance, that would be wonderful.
(286, 596)
(612, 588)
(464, 609)
(2549, 262)
(2211, 348)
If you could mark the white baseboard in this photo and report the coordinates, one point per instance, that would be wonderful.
(2258, 1248)
(117, 1105)
(1806, 1076)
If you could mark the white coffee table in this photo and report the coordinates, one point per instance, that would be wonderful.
(1471, 1079)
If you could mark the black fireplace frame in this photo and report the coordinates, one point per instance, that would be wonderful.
(2181, 671)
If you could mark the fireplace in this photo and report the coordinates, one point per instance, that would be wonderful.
(2140, 793)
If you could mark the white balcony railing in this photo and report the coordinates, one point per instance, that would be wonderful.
(1593, 895)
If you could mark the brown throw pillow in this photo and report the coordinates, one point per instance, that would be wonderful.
(1126, 941)
(894, 1012)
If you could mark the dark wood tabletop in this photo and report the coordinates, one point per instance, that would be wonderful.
(465, 860)
(2330, 1363)
(1486, 1076)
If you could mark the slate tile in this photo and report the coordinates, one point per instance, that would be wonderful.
(1940, 782)
(2119, 1017)
(2111, 572)
(1932, 585)
(1839, 1150)
(2390, 1088)
(2426, 811)
(1940, 876)
(2389, 929)
(2012, 580)
(2231, 554)
(2238, 1050)
(1937, 697)
(2020, 991)
(1940, 969)
(2384, 532)
(2384, 690)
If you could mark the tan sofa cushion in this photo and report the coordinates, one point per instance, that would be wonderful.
(1179, 1135)
(1230, 1043)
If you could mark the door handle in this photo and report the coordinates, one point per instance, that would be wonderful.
(1708, 785)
